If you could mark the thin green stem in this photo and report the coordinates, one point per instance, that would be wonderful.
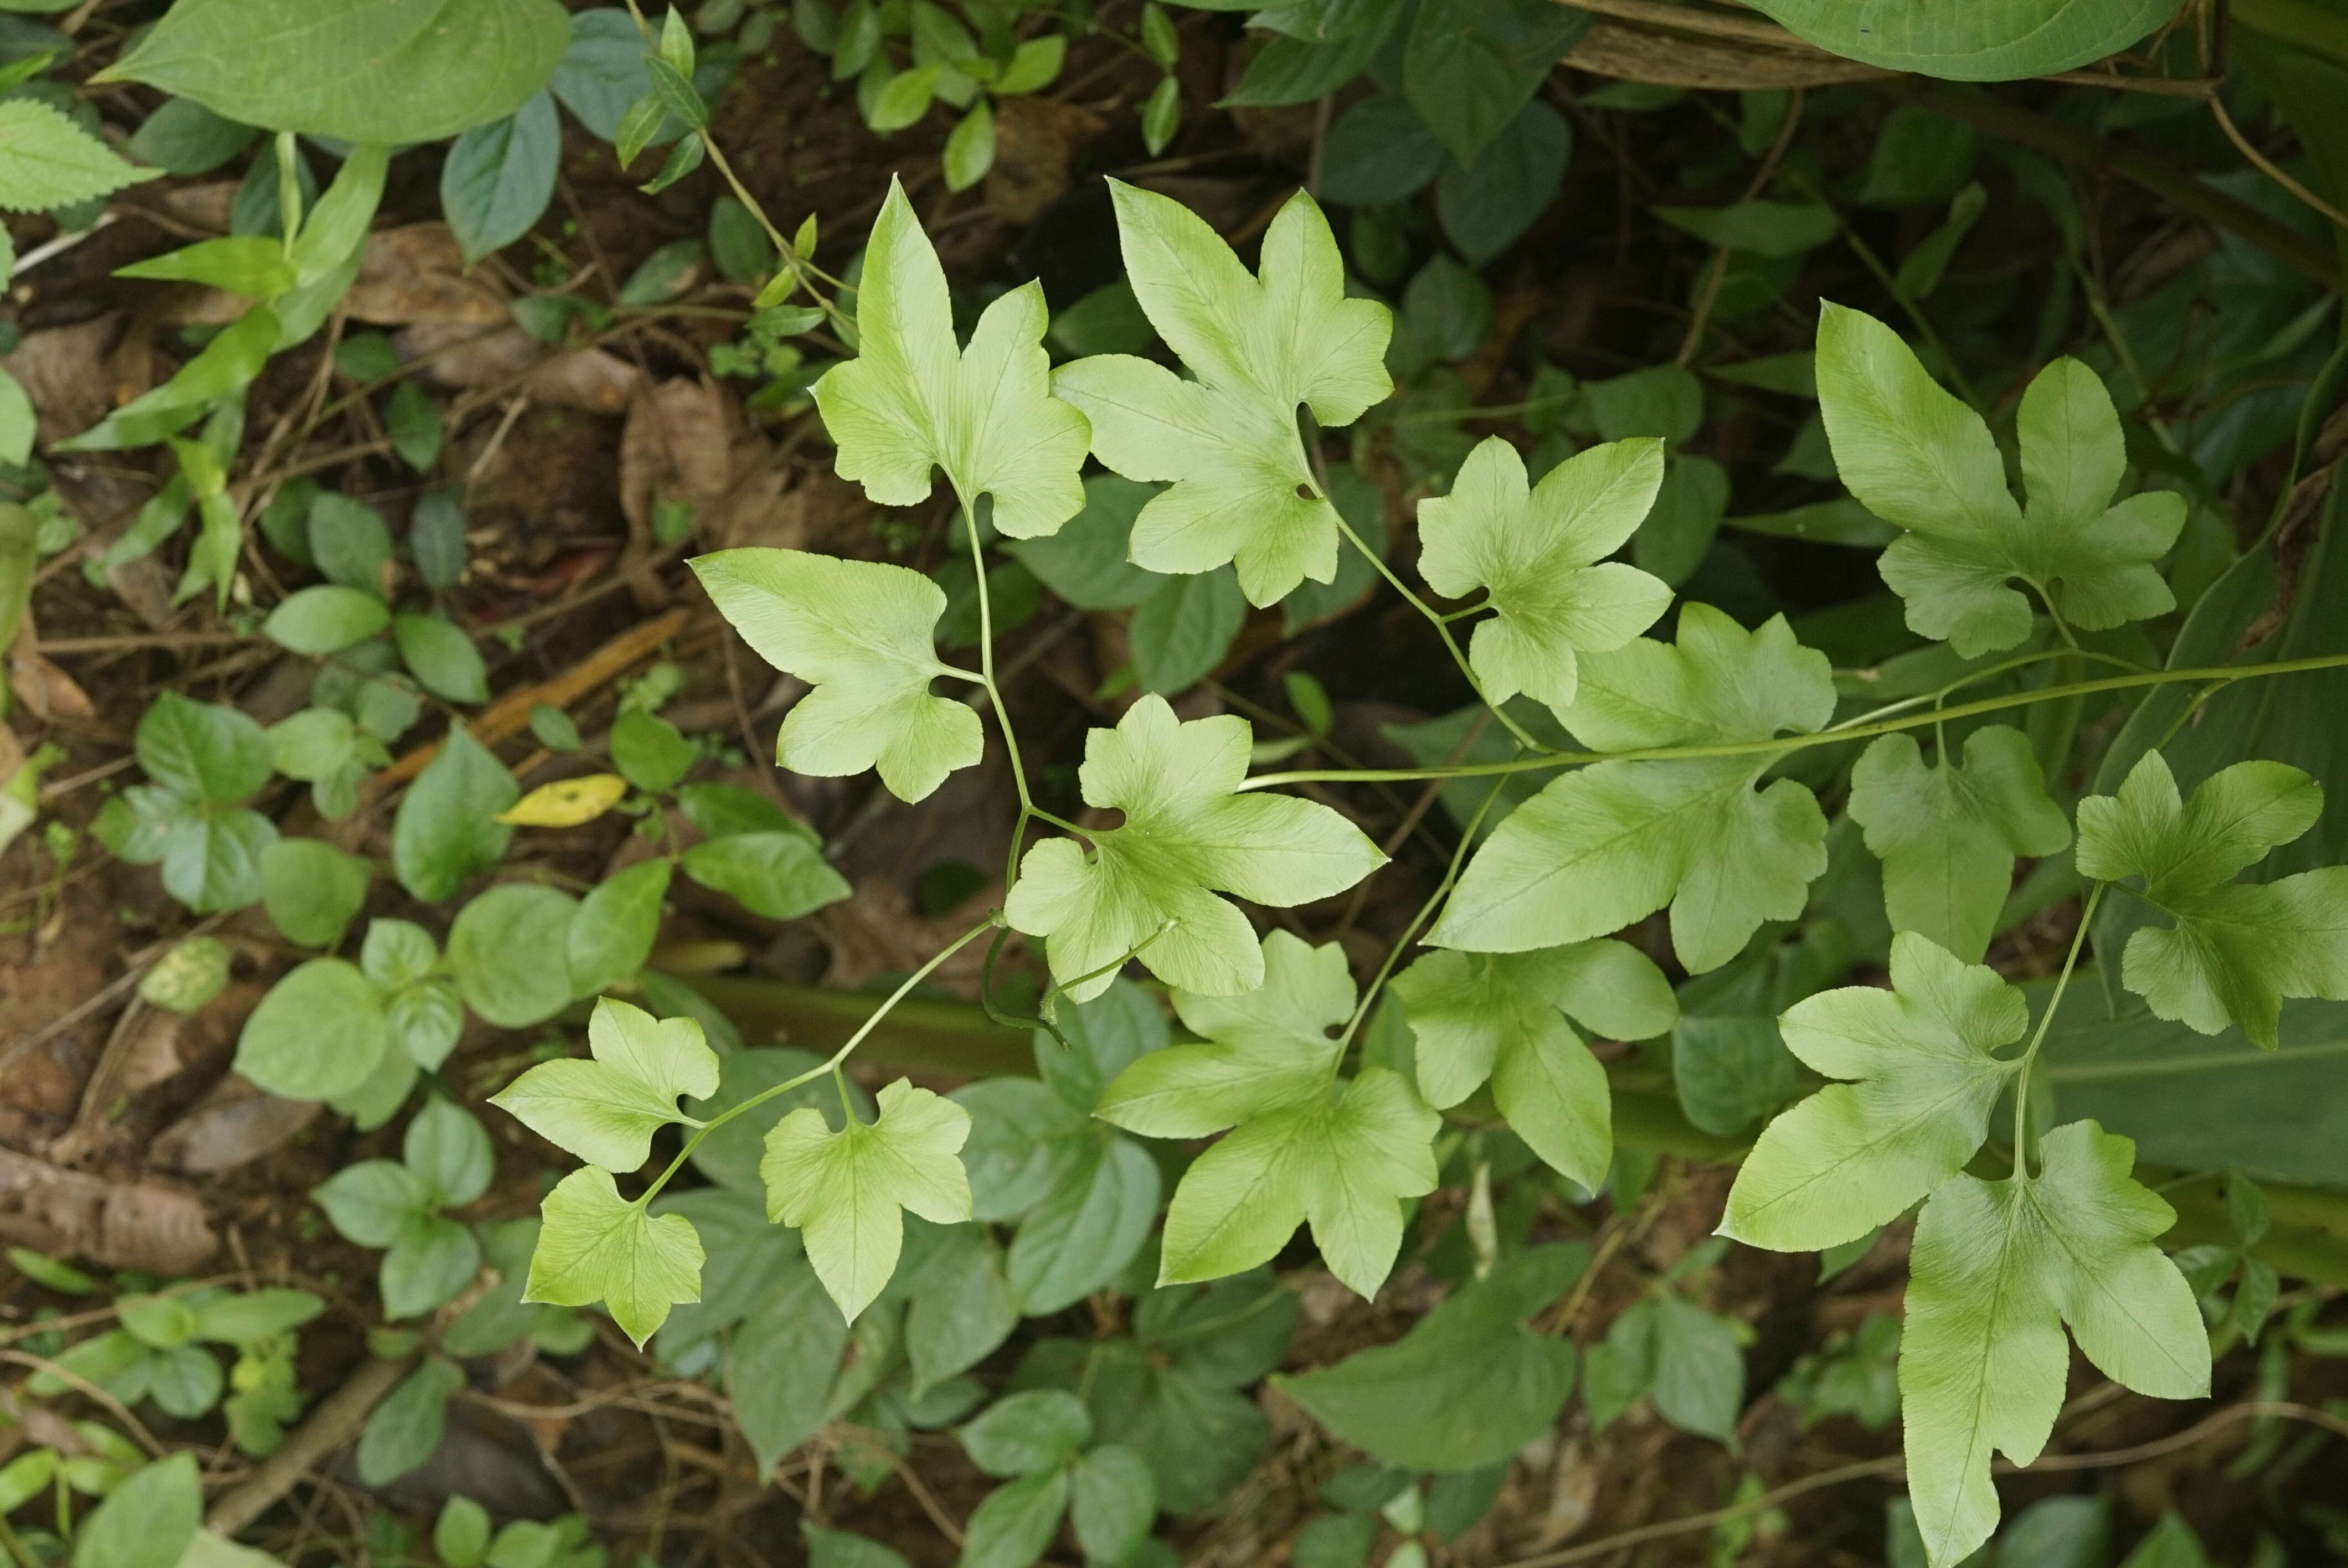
(2038, 1036)
(839, 1057)
(786, 253)
(1059, 988)
(1410, 932)
(987, 660)
(1442, 629)
(2004, 667)
(1780, 745)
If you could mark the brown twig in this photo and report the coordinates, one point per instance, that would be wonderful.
(509, 714)
(1892, 1464)
(340, 1414)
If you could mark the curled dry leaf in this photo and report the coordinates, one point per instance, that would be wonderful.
(233, 1124)
(116, 1224)
(415, 274)
(677, 444)
(1034, 140)
(54, 366)
(471, 357)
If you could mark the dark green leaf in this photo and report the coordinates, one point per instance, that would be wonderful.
(446, 828)
(497, 180)
(612, 933)
(1486, 205)
(407, 1426)
(357, 70)
(312, 889)
(509, 951)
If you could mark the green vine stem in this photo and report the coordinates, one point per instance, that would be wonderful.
(2309, 1237)
(838, 1059)
(1780, 745)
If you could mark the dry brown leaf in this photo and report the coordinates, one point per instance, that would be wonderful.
(1671, 59)
(678, 444)
(116, 1224)
(47, 691)
(876, 931)
(1034, 140)
(416, 274)
(234, 1125)
(588, 379)
(207, 206)
(59, 369)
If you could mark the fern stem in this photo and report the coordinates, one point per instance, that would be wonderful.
(2046, 1018)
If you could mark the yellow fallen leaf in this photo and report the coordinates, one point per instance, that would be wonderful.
(567, 802)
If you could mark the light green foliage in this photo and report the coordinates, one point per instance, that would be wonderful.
(146, 1521)
(1919, 458)
(447, 829)
(843, 1190)
(357, 70)
(1997, 1268)
(607, 1110)
(986, 415)
(1503, 1017)
(1269, 1049)
(1339, 1162)
(1305, 1148)
(1609, 843)
(1924, 1076)
(1539, 553)
(595, 1246)
(446, 1163)
(202, 760)
(320, 1033)
(508, 953)
(46, 160)
(1992, 40)
(2233, 950)
(1148, 885)
(863, 634)
(1948, 834)
(1258, 348)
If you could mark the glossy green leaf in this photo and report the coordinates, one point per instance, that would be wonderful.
(843, 1190)
(320, 1032)
(383, 71)
(613, 931)
(910, 400)
(607, 1110)
(442, 657)
(1539, 553)
(1259, 346)
(326, 618)
(1149, 884)
(446, 828)
(312, 889)
(1607, 844)
(781, 876)
(862, 633)
(1920, 459)
(508, 950)
(1992, 41)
